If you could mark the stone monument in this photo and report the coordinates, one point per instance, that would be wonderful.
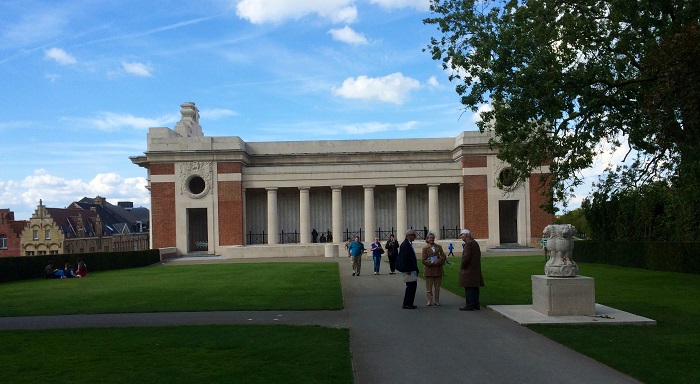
(561, 292)
(560, 244)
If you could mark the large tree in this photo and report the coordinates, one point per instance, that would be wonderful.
(567, 79)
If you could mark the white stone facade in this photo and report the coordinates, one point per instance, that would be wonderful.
(211, 193)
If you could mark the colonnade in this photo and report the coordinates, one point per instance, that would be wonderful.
(337, 215)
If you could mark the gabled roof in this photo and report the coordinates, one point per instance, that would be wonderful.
(67, 219)
(113, 217)
(17, 226)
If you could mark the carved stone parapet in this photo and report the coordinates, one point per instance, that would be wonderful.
(560, 246)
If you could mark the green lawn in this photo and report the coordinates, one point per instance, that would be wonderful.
(192, 354)
(210, 287)
(195, 354)
(665, 353)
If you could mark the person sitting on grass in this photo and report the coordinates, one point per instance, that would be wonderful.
(68, 272)
(50, 272)
(82, 268)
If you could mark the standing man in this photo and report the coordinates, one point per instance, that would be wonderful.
(356, 249)
(407, 264)
(470, 271)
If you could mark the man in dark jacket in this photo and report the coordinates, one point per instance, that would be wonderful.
(470, 276)
(407, 264)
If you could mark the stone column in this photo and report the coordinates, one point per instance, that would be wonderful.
(369, 213)
(244, 208)
(337, 212)
(272, 223)
(434, 210)
(401, 221)
(461, 206)
(304, 216)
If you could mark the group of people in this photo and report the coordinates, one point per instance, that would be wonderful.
(67, 272)
(402, 258)
(433, 258)
(325, 237)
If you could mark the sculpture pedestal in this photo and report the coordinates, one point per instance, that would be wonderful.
(563, 296)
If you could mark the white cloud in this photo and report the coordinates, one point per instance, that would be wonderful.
(348, 35)
(433, 82)
(476, 117)
(216, 113)
(59, 192)
(60, 56)
(137, 69)
(422, 5)
(374, 127)
(109, 121)
(262, 11)
(34, 27)
(392, 88)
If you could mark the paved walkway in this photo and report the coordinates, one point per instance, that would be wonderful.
(393, 345)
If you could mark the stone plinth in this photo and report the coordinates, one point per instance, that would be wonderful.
(331, 250)
(557, 296)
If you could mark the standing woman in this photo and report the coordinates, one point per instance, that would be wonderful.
(392, 251)
(433, 258)
(377, 251)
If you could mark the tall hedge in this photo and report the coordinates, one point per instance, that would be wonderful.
(31, 267)
(669, 256)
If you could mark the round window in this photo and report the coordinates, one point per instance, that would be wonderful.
(196, 185)
(507, 177)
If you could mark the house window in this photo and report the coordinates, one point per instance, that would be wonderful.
(30, 253)
(53, 252)
(35, 234)
(47, 234)
(3, 242)
(42, 253)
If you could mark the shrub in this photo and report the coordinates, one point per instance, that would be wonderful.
(668, 256)
(32, 267)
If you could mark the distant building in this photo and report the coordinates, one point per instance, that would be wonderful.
(90, 225)
(10, 232)
(217, 195)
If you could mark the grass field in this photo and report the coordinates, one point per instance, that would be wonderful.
(193, 354)
(211, 287)
(665, 353)
(188, 354)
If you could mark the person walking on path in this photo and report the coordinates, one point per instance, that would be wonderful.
(356, 249)
(392, 252)
(377, 251)
(433, 257)
(408, 265)
(470, 276)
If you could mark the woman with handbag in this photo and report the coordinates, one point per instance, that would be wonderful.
(433, 257)
(377, 251)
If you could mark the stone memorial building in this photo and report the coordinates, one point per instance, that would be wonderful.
(222, 195)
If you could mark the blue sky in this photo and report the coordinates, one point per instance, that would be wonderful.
(83, 80)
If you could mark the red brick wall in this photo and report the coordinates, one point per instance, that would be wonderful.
(538, 217)
(473, 161)
(13, 241)
(232, 167)
(162, 169)
(230, 213)
(476, 205)
(163, 228)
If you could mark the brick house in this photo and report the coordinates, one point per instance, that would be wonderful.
(10, 232)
